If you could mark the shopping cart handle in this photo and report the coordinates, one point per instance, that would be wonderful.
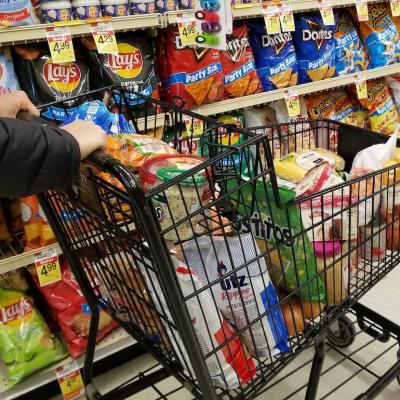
(98, 158)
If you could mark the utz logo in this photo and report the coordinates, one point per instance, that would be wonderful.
(16, 311)
(128, 63)
(62, 77)
(316, 33)
(233, 281)
(277, 41)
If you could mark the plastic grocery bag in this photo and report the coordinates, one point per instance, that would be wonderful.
(244, 296)
(26, 343)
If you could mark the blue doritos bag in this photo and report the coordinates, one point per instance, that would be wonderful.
(315, 48)
(350, 54)
(275, 57)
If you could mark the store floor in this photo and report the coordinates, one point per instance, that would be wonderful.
(345, 378)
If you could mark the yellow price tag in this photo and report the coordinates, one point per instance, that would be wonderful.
(271, 17)
(361, 87)
(395, 7)
(287, 19)
(326, 13)
(60, 44)
(292, 102)
(104, 37)
(194, 126)
(70, 380)
(362, 10)
(187, 29)
(47, 267)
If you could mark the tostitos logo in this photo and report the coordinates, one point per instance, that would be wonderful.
(128, 63)
(62, 77)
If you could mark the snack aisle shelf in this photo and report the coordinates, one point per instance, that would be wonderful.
(116, 341)
(307, 88)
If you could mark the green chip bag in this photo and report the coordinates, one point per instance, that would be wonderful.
(26, 343)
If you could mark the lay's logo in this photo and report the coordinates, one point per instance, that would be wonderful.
(16, 311)
(62, 77)
(128, 63)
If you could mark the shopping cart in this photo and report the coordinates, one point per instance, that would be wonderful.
(215, 270)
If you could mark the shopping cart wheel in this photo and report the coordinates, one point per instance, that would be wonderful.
(341, 333)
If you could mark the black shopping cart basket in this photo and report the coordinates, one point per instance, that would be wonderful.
(220, 268)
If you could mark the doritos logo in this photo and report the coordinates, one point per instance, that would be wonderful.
(16, 311)
(128, 63)
(198, 52)
(62, 77)
(316, 33)
(278, 41)
(236, 48)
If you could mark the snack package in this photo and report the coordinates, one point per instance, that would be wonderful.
(360, 114)
(14, 219)
(72, 311)
(14, 280)
(243, 296)
(46, 234)
(45, 81)
(350, 54)
(32, 220)
(275, 57)
(315, 48)
(193, 73)
(380, 35)
(8, 78)
(26, 343)
(17, 13)
(4, 232)
(238, 67)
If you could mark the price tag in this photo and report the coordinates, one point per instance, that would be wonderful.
(47, 267)
(104, 37)
(70, 380)
(187, 28)
(362, 10)
(361, 86)
(286, 18)
(325, 8)
(271, 17)
(60, 43)
(395, 7)
(292, 102)
(194, 126)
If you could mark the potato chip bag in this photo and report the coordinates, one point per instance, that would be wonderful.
(238, 66)
(275, 57)
(380, 35)
(315, 48)
(350, 54)
(360, 114)
(26, 343)
(32, 220)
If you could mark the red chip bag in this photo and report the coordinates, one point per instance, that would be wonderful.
(238, 67)
(194, 74)
(72, 311)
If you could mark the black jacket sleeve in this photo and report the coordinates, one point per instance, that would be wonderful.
(35, 158)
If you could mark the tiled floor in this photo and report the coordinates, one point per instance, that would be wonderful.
(344, 376)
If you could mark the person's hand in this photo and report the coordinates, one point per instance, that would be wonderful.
(12, 103)
(89, 136)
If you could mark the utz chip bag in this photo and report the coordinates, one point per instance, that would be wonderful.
(26, 343)
(350, 54)
(315, 48)
(238, 67)
(194, 73)
(275, 57)
(17, 13)
(380, 35)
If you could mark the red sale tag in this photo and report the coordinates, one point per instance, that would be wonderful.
(47, 267)
(70, 380)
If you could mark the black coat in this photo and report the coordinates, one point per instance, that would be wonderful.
(35, 158)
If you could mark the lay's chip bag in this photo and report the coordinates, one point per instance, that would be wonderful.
(315, 48)
(350, 54)
(380, 35)
(275, 57)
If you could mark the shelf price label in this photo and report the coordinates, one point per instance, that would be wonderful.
(70, 380)
(362, 10)
(60, 44)
(194, 126)
(104, 37)
(47, 267)
(395, 7)
(292, 102)
(271, 18)
(361, 86)
(286, 18)
(187, 28)
(325, 7)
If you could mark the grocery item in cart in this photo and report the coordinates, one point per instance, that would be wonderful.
(315, 48)
(380, 35)
(17, 13)
(350, 54)
(45, 81)
(26, 343)
(72, 311)
(238, 66)
(8, 78)
(193, 73)
(245, 293)
(275, 57)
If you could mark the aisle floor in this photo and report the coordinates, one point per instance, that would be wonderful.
(290, 384)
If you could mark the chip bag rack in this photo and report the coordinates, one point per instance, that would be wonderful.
(145, 280)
